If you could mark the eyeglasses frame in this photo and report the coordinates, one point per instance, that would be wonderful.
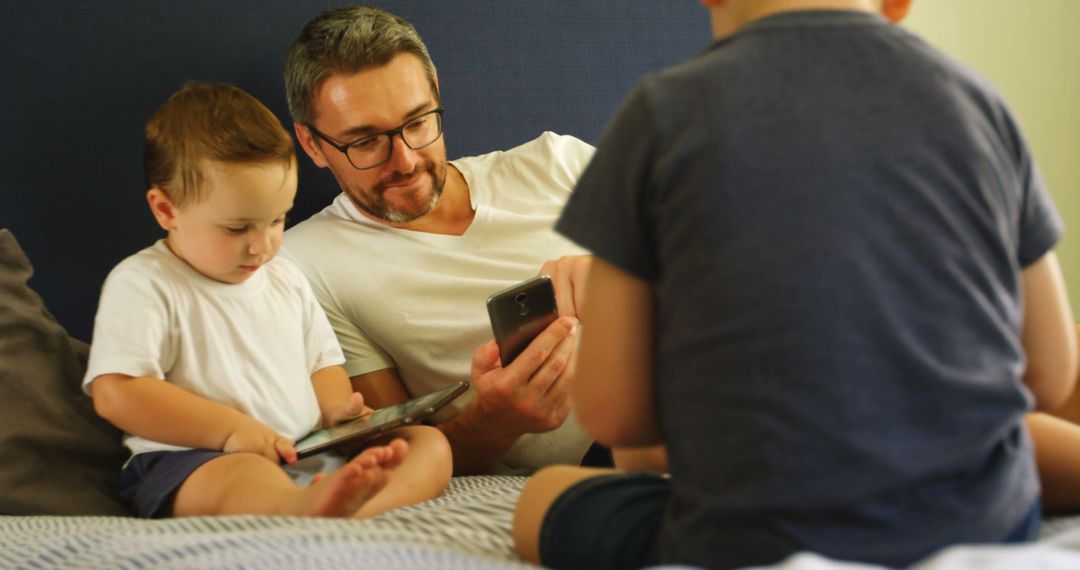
(399, 131)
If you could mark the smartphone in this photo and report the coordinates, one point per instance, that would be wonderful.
(520, 313)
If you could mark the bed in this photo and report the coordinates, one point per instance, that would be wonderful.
(467, 527)
(59, 464)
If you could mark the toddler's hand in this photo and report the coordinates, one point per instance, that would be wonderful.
(256, 437)
(354, 408)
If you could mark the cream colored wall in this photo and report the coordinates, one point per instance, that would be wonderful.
(1031, 51)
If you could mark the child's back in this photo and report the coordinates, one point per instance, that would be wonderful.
(841, 218)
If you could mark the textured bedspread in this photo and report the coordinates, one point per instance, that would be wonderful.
(467, 527)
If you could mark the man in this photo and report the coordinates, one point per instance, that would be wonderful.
(405, 257)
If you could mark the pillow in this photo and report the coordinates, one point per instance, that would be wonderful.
(57, 456)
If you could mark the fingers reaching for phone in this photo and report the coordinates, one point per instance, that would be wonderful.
(568, 275)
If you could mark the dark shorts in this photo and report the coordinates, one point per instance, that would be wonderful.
(613, 521)
(610, 521)
(149, 481)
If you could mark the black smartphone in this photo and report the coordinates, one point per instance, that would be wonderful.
(520, 313)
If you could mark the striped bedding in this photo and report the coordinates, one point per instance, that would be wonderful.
(467, 527)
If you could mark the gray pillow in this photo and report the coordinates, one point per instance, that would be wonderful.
(56, 455)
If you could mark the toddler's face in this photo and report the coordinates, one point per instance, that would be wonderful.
(238, 227)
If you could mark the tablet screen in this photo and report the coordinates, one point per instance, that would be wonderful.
(383, 419)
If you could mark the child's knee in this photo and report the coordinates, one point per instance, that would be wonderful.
(430, 444)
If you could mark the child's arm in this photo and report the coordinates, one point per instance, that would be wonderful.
(334, 391)
(157, 410)
(1049, 334)
(612, 388)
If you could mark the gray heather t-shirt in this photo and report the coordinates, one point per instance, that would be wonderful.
(834, 217)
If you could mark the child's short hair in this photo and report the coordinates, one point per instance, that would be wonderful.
(208, 121)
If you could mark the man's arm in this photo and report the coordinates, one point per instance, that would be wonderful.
(529, 396)
(380, 388)
(613, 389)
(1049, 334)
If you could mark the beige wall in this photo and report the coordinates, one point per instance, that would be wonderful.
(1031, 51)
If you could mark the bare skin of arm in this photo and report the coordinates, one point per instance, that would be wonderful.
(1051, 342)
(617, 359)
(337, 399)
(1049, 335)
(160, 411)
(1070, 410)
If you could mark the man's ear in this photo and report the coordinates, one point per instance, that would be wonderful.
(162, 208)
(895, 10)
(310, 145)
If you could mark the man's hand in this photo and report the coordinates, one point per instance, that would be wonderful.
(568, 275)
(253, 436)
(531, 395)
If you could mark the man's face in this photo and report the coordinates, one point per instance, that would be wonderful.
(237, 228)
(348, 108)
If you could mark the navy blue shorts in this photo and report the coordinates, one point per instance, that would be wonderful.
(613, 521)
(149, 481)
(610, 521)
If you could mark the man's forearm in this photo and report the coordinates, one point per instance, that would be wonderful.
(477, 447)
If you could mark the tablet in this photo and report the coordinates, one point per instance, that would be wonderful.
(359, 430)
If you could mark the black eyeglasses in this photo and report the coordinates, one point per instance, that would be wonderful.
(375, 150)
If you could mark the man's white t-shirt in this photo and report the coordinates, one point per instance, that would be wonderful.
(252, 346)
(415, 301)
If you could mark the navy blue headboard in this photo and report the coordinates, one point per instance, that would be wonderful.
(81, 78)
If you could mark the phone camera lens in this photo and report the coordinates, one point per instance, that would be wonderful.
(521, 298)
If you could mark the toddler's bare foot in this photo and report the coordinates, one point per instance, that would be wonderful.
(342, 492)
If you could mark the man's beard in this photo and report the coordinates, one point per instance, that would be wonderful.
(378, 207)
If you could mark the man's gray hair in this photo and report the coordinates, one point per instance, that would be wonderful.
(346, 41)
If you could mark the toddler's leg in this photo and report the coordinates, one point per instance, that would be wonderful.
(246, 483)
(423, 474)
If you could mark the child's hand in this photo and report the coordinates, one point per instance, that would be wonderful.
(354, 408)
(255, 437)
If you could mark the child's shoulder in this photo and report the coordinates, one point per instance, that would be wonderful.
(154, 260)
(283, 268)
(285, 275)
